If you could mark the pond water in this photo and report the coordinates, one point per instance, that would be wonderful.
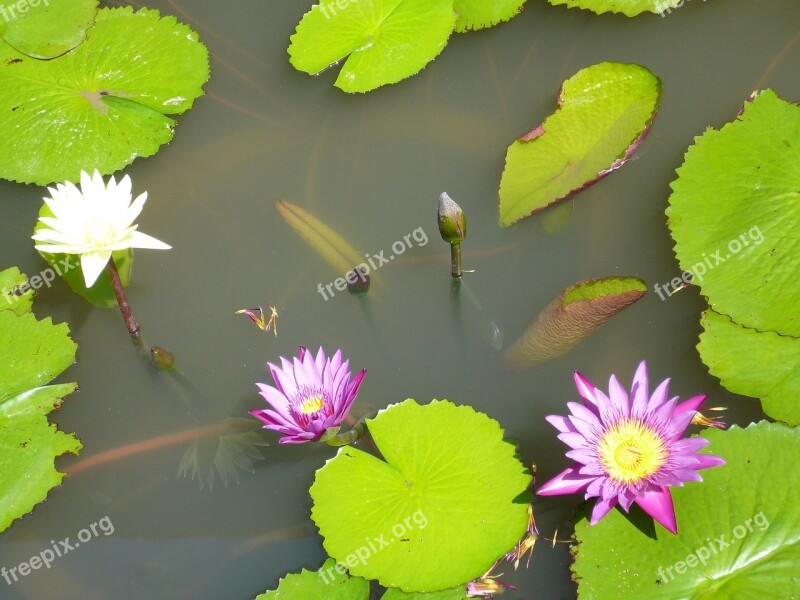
(372, 167)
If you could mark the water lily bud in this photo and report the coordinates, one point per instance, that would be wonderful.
(452, 222)
(163, 359)
(357, 282)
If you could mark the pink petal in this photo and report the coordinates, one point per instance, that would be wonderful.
(691, 405)
(601, 509)
(566, 482)
(658, 504)
(585, 387)
(639, 391)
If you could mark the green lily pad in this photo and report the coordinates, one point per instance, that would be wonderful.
(571, 317)
(459, 593)
(384, 41)
(738, 537)
(32, 353)
(449, 499)
(630, 8)
(325, 584)
(480, 14)
(45, 28)
(116, 89)
(604, 113)
(762, 364)
(735, 216)
(15, 293)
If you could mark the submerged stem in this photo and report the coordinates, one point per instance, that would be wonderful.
(122, 299)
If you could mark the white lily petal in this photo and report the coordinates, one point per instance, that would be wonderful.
(92, 264)
(136, 207)
(142, 240)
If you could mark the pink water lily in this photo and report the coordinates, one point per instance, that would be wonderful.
(311, 395)
(629, 448)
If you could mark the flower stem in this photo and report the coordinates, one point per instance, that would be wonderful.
(122, 299)
(455, 260)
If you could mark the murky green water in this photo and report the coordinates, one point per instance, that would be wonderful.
(372, 167)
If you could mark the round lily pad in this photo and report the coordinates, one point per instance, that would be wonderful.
(448, 499)
(734, 214)
(384, 41)
(101, 105)
(630, 8)
(480, 14)
(738, 534)
(326, 584)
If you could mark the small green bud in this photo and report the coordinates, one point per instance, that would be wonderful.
(452, 222)
(163, 359)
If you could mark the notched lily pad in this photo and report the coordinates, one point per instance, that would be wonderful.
(480, 14)
(326, 584)
(383, 41)
(604, 113)
(630, 8)
(116, 90)
(571, 317)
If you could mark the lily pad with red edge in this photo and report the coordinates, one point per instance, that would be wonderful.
(448, 499)
(116, 90)
(573, 316)
(739, 530)
(380, 41)
(604, 113)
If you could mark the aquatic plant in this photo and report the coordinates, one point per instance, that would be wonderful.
(629, 448)
(311, 397)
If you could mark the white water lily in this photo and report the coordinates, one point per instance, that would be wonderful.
(93, 221)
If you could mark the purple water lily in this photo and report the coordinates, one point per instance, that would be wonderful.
(629, 448)
(311, 395)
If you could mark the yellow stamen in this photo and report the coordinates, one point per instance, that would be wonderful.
(312, 404)
(630, 451)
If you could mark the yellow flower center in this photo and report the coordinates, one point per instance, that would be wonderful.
(630, 451)
(312, 404)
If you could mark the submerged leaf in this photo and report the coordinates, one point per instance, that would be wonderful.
(325, 584)
(739, 530)
(573, 316)
(754, 363)
(32, 353)
(480, 14)
(46, 28)
(604, 113)
(449, 499)
(332, 247)
(102, 104)
(383, 41)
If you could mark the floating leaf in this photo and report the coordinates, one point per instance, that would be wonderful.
(739, 530)
(480, 14)
(325, 584)
(571, 317)
(449, 499)
(333, 248)
(46, 28)
(630, 8)
(102, 104)
(15, 293)
(604, 113)
(32, 353)
(735, 216)
(384, 41)
(754, 363)
(459, 593)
